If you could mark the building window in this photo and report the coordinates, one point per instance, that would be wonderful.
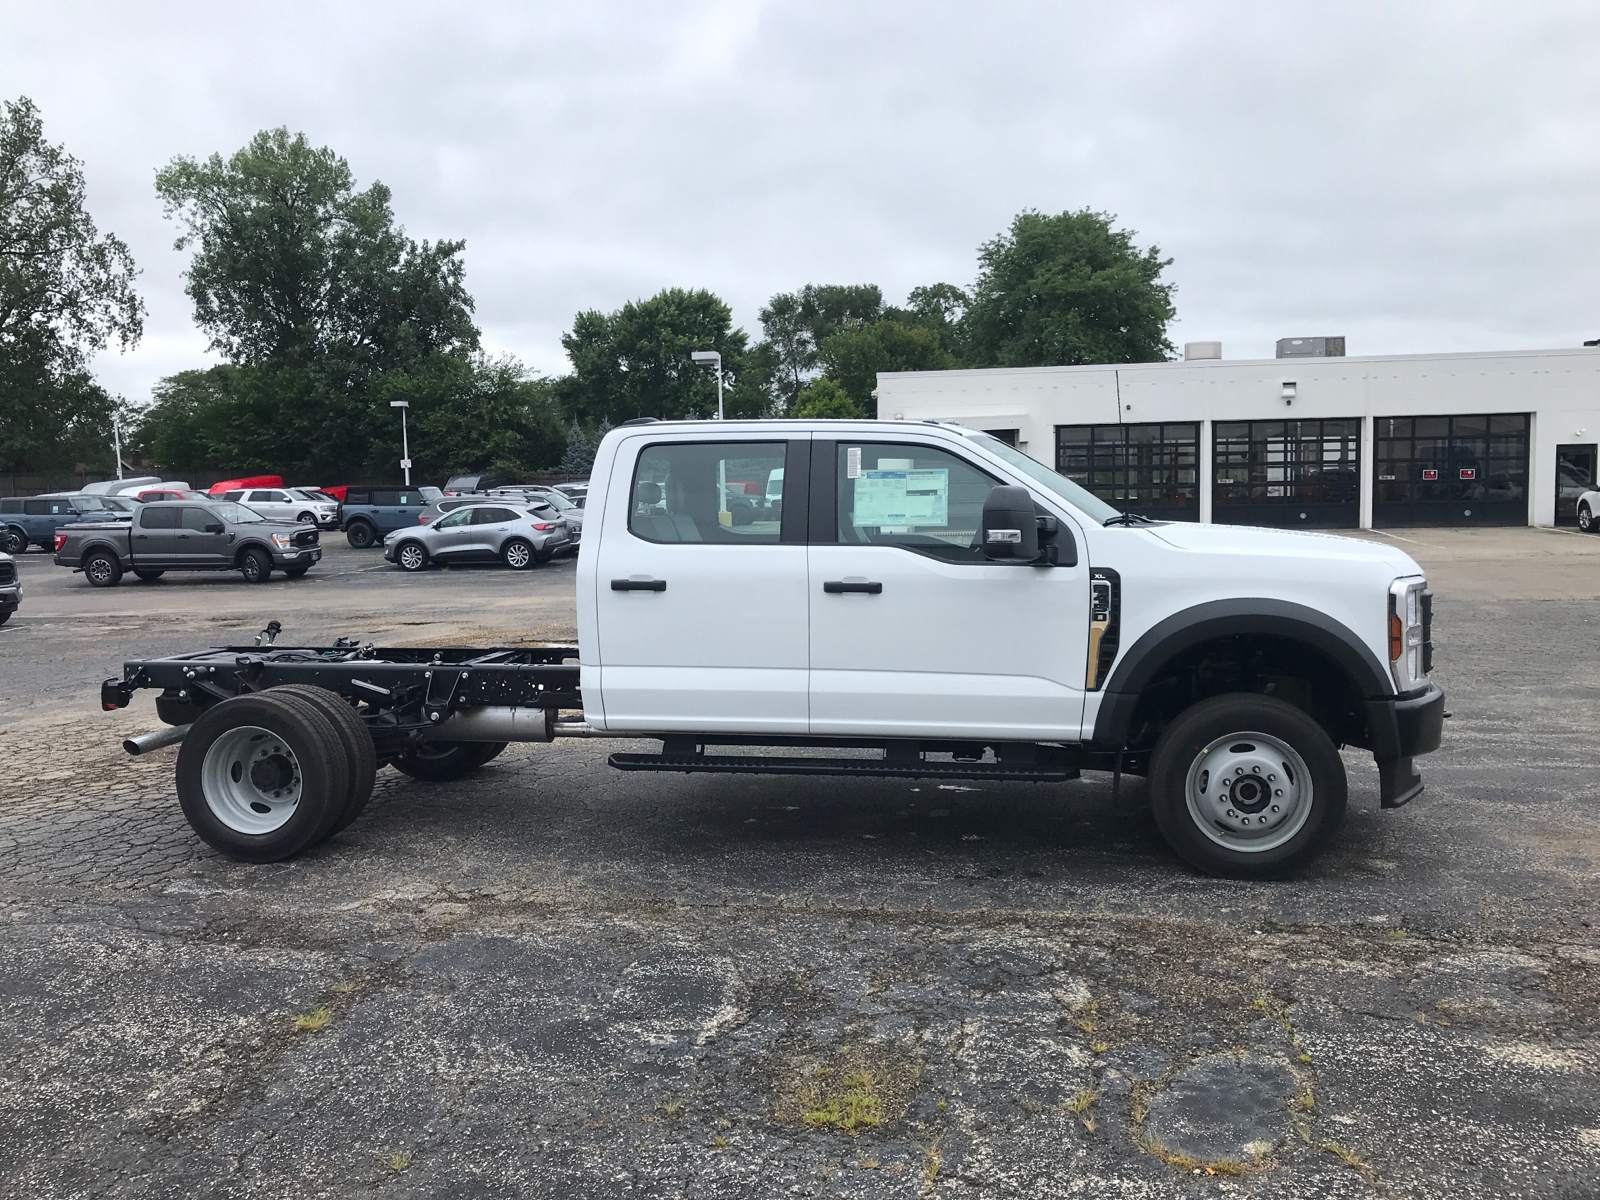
(1147, 468)
(1299, 473)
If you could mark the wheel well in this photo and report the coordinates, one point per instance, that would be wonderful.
(1292, 671)
(246, 548)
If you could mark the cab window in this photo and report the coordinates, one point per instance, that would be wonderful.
(707, 492)
(158, 518)
(919, 497)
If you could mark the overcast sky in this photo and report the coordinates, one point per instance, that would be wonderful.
(1417, 177)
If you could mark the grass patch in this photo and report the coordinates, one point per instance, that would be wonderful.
(317, 1018)
(1351, 1159)
(1183, 1162)
(851, 1103)
(1304, 1102)
(399, 1162)
(1080, 1103)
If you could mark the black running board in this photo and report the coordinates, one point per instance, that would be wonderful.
(730, 764)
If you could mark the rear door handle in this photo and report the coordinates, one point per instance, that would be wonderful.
(638, 585)
(836, 586)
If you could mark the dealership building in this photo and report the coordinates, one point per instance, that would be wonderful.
(1310, 439)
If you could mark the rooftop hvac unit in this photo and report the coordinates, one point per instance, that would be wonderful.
(1199, 350)
(1323, 347)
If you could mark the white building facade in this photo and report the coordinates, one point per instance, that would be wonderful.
(1427, 439)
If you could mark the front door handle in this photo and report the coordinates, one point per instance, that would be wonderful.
(835, 587)
(638, 585)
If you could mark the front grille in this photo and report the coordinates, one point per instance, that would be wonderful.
(306, 537)
(8, 572)
(1426, 609)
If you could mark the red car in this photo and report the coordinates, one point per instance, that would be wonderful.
(252, 481)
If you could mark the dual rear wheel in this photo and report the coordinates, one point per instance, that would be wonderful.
(266, 775)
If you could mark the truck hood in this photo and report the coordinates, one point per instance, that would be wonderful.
(1283, 543)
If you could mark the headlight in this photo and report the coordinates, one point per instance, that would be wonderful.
(283, 540)
(1410, 632)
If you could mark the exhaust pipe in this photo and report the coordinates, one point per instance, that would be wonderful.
(147, 742)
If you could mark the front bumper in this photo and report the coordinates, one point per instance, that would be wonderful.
(296, 558)
(1403, 727)
(10, 599)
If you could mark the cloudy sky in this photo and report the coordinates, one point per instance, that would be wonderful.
(1418, 177)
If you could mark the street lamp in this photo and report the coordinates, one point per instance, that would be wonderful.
(405, 443)
(711, 358)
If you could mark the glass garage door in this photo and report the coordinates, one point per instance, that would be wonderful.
(1303, 474)
(1451, 470)
(1150, 469)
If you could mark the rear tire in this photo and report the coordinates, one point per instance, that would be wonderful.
(361, 757)
(1586, 521)
(360, 534)
(102, 569)
(440, 762)
(1246, 787)
(262, 776)
(255, 566)
(149, 576)
(518, 554)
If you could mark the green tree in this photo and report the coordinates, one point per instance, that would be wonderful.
(66, 291)
(854, 357)
(579, 455)
(1068, 289)
(635, 362)
(939, 307)
(823, 399)
(293, 267)
(796, 324)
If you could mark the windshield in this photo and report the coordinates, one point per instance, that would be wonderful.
(1080, 498)
(553, 500)
(89, 504)
(236, 514)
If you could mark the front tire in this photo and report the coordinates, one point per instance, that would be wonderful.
(15, 541)
(263, 776)
(1246, 787)
(149, 576)
(360, 534)
(1586, 521)
(102, 570)
(440, 762)
(411, 556)
(255, 566)
(306, 518)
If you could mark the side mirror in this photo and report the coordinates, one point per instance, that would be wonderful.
(1010, 530)
(213, 528)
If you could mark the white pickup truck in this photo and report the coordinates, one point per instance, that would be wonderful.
(923, 601)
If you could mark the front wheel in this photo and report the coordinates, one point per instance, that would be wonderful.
(1246, 786)
(411, 556)
(1586, 521)
(296, 572)
(14, 540)
(255, 566)
(307, 518)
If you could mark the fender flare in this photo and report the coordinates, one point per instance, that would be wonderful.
(1231, 618)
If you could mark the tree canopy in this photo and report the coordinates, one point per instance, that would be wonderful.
(66, 291)
(1067, 289)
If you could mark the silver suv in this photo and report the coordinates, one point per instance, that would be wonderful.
(516, 536)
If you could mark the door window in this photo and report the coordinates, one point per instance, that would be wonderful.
(197, 519)
(707, 492)
(351, 496)
(492, 516)
(455, 520)
(385, 499)
(158, 518)
(918, 497)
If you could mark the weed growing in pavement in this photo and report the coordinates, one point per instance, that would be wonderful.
(399, 1162)
(1351, 1159)
(1304, 1102)
(1080, 1103)
(314, 1020)
(851, 1105)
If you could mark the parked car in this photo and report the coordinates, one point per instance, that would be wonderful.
(369, 513)
(137, 490)
(1589, 511)
(188, 536)
(252, 481)
(109, 487)
(120, 507)
(576, 492)
(164, 493)
(549, 496)
(10, 587)
(33, 520)
(518, 537)
(287, 504)
(538, 505)
(469, 485)
(430, 494)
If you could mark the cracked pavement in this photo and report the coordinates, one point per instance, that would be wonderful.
(554, 979)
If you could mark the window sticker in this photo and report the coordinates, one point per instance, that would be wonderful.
(852, 463)
(1469, 473)
(1430, 473)
(902, 498)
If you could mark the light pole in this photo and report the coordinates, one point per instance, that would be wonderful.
(405, 443)
(712, 359)
(116, 442)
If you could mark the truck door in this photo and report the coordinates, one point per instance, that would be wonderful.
(913, 632)
(701, 618)
(154, 536)
(202, 539)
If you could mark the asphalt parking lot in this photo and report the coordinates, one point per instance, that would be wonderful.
(557, 980)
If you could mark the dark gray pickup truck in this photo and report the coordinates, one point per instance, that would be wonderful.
(188, 535)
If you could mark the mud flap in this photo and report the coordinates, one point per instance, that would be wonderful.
(1399, 782)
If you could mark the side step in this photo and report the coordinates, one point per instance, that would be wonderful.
(899, 767)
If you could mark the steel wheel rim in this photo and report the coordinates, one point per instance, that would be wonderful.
(306, 519)
(411, 558)
(251, 780)
(99, 570)
(518, 555)
(1249, 792)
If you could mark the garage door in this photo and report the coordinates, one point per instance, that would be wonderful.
(1469, 470)
(1149, 468)
(1302, 474)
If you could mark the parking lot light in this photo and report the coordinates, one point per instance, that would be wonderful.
(712, 359)
(405, 444)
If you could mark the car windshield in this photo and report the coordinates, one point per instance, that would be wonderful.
(236, 514)
(1080, 498)
(89, 504)
(554, 500)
